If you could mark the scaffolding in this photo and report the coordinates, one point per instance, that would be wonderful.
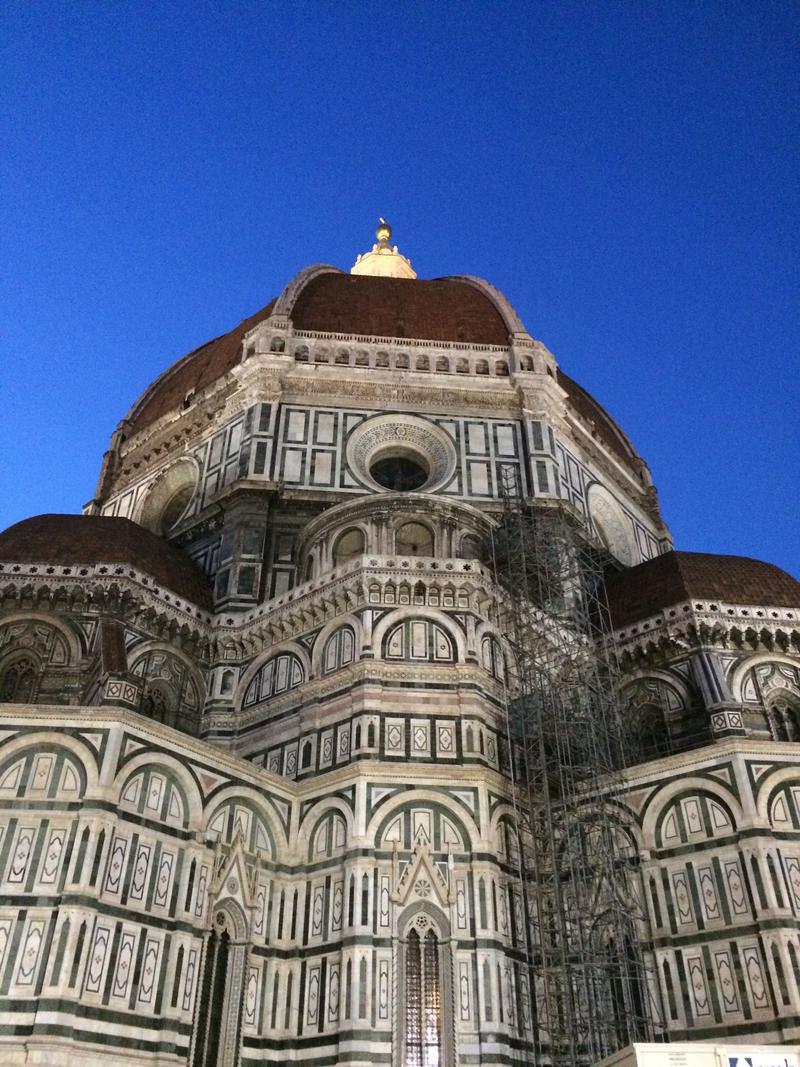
(566, 728)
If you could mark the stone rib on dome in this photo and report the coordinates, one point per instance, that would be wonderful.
(70, 540)
(608, 429)
(675, 577)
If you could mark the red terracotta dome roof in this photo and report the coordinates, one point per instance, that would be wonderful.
(445, 309)
(70, 540)
(675, 577)
(196, 370)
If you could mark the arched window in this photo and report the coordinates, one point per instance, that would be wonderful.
(783, 715)
(493, 659)
(18, 682)
(425, 999)
(348, 545)
(470, 548)
(418, 639)
(277, 675)
(305, 755)
(413, 539)
(159, 703)
(339, 650)
(169, 693)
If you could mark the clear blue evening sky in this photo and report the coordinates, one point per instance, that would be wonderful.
(625, 172)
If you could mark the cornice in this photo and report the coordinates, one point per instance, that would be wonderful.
(696, 623)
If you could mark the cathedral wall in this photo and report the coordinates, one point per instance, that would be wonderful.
(127, 848)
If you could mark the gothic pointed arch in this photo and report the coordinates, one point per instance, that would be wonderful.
(425, 1016)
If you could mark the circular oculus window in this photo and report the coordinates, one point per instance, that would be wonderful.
(401, 454)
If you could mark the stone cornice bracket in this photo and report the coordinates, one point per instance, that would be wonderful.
(262, 377)
(541, 397)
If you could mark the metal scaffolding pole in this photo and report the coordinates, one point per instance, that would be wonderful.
(567, 739)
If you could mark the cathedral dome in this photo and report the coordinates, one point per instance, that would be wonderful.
(326, 300)
(444, 309)
(451, 311)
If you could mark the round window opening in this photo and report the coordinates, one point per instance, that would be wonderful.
(401, 454)
(401, 474)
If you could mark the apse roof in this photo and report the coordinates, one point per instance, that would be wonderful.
(674, 577)
(71, 540)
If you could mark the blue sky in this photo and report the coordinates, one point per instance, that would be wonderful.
(625, 172)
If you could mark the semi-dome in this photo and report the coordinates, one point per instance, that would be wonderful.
(675, 577)
(75, 540)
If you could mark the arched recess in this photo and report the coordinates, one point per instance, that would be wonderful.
(174, 773)
(418, 640)
(661, 805)
(770, 787)
(316, 816)
(234, 813)
(47, 770)
(756, 676)
(486, 630)
(154, 792)
(613, 526)
(62, 647)
(248, 696)
(656, 702)
(505, 841)
(328, 837)
(348, 544)
(445, 622)
(414, 537)
(169, 496)
(424, 1019)
(172, 688)
(430, 819)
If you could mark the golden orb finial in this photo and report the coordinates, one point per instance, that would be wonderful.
(384, 230)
